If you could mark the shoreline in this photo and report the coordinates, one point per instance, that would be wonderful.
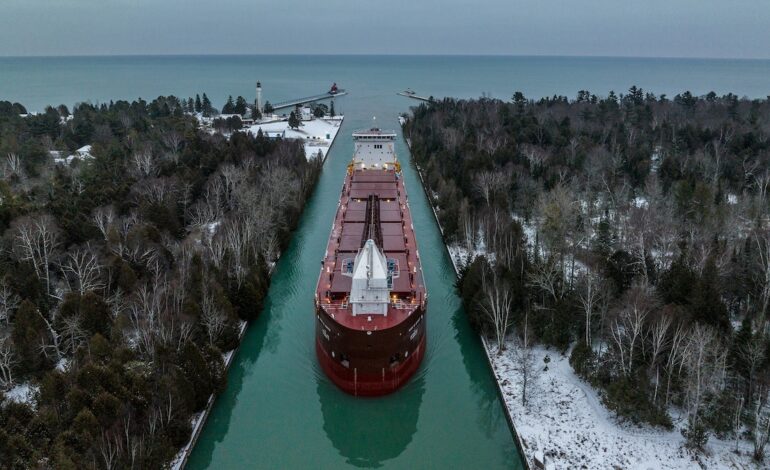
(199, 419)
(317, 134)
(498, 386)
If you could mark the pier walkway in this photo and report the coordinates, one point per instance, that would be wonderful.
(416, 97)
(308, 99)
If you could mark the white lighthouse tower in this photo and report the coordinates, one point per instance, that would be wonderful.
(259, 97)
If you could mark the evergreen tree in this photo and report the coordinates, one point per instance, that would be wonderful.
(29, 332)
(206, 106)
(255, 114)
(197, 372)
(268, 108)
(293, 121)
(229, 107)
(331, 109)
(240, 106)
(676, 284)
(198, 104)
(706, 301)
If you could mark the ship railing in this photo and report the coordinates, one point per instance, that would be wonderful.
(401, 305)
(335, 305)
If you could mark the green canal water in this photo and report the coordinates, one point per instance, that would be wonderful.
(280, 411)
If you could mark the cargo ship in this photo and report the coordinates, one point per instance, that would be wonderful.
(371, 300)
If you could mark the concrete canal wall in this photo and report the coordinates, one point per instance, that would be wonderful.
(527, 459)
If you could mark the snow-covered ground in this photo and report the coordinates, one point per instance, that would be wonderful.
(22, 393)
(565, 424)
(83, 153)
(317, 134)
(196, 422)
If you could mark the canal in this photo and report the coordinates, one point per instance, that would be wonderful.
(280, 411)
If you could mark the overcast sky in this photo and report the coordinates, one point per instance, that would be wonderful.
(660, 28)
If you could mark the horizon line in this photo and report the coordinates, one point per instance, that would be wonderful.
(295, 54)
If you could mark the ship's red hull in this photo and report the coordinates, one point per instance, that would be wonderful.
(369, 384)
(371, 352)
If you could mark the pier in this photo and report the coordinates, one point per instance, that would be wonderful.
(308, 99)
(411, 94)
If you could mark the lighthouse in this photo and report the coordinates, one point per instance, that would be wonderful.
(259, 97)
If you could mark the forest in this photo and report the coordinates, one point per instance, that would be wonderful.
(629, 231)
(135, 248)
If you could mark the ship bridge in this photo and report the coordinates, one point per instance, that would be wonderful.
(374, 148)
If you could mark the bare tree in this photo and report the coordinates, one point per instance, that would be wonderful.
(489, 183)
(548, 279)
(526, 363)
(9, 301)
(629, 329)
(173, 141)
(109, 449)
(640, 236)
(763, 276)
(14, 165)
(7, 362)
(761, 431)
(676, 354)
(752, 353)
(82, 270)
(73, 336)
(588, 296)
(35, 240)
(144, 165)
(659, 340)
(705, 362)
(103, 218)
(468, 226)
(497, 306)
(212, 317)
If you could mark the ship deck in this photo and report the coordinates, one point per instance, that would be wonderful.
(398, 242)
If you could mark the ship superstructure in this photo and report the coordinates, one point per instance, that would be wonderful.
(371, 299)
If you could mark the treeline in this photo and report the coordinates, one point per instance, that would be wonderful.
(631, 230)
(127, 272)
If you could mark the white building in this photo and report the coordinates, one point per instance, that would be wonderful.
(374, 148)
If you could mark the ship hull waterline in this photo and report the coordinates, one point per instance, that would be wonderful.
(369, 382)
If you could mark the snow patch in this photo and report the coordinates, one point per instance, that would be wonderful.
(640, 202)
(22, 393)
(317, 134)
(565, 423)
(63, 364)
(83, 153)
(211, 228)
(196, 421)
